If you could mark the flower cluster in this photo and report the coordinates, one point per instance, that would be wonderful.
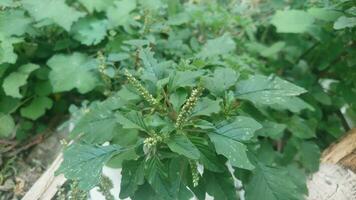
(195, 173)
(188, 107)
(139, 87)
(150, 142)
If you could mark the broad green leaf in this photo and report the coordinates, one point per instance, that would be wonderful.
(345, 22)
(132, 176)
(15, 80)
(152, 71)
(7, 54)
(266, 90)
(14, 22)
(271, 129)
(293, 104)
(206, 107)
(208, 157)
(72, 71)
(233, 150)
(57, 11)
(97, 125)
(239, 128)
(7, 125)
(177, 99)
(271, 183)
(36, 108)
(132, 120)
(178, 170)
(96, 5)
(183, 146)
(292, 21)
(220, 185)
(157, 177)
(301, 128)
(84, 163)
(324, 14)
(90, 31)
(218, 46)
(310, 155)
(119, 13)
(222, 80)
(183, 79)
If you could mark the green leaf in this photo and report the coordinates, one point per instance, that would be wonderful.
(266, 90)
(206, 107)
(233, 150)
(57, 11)
(222, 80)
(7, 54)
(119, 13)
(310, 155)
(218, 46)
(132, 120)
(345, 22)
(96, 5)
(84, 162)
(178, 170)
(90, 31)
(220, 185)
(132, 176)
(301, 128)
(293, 104)
(324, 14)
(208, 157)
(292, 21)
(36, 108)
(183, 79)
(15, 80)
(72, 71)
(240, 128)
(271, 129)
(183, 146)
(157, 177)
(177, 99)
(152, 71)
(97, 125)
(7, 125)
(9, 18)
(270, 183)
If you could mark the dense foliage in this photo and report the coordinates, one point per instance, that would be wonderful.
(187, 97)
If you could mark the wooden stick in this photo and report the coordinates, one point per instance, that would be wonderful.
(48, 184)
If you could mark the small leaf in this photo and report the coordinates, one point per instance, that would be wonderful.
(132, 176)
(222, 80)
(7, 125)
(206, 107)
(310, 155)
(233, 150)
(84, 162)
(270, 183)
(57, 11)
(119, 13)
(266, 90)
(183, 79)
(345, 22)
(72, 71)
(183, 146)
(301, 128)
(240, 128)
(132, 120)
(10, 17)
(90, 31)
(15, 80)
(218, 46)
(292, 21)
(36, 108)
(271, 129)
